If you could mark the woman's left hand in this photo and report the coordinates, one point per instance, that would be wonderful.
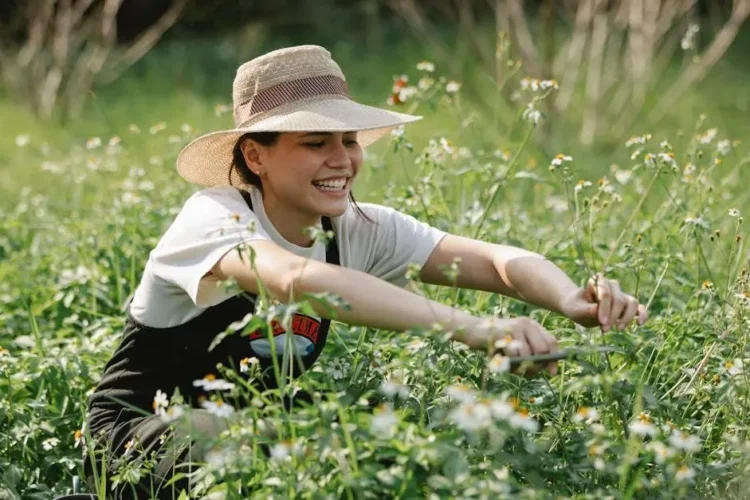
(602, 303)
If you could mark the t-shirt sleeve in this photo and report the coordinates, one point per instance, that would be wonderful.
(211, 223)
(386, 249)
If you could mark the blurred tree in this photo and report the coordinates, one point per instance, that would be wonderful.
(66, 45)
(608, 55)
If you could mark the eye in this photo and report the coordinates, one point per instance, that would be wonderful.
(314, 145)
(351, 142)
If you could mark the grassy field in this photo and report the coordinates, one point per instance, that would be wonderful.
(82, 204)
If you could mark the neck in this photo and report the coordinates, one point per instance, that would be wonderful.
(290, 223)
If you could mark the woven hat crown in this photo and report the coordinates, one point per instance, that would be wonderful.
(284, 75)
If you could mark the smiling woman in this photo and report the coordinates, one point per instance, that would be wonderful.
(290, 164)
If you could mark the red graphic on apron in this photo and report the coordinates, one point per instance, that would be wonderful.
(301, 325)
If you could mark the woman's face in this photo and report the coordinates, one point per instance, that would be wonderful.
(310, 171)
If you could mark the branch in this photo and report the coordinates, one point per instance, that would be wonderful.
(696, 72)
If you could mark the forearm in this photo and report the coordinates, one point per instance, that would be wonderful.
(373, 302)
(532, 278)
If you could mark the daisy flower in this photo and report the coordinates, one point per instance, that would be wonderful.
(50, 443)
(586, 414)
(684, 441)
(471, 416)
(559, 159)
(461, 393)
(211, 383)
(160, 401)
(384, 422)
(643, 425)
(218, 408)
(247, 363)
(684, 473)
(499, 364)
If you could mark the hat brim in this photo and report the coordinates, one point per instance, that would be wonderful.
(207, 160)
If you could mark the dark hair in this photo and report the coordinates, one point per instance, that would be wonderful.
(250, 177)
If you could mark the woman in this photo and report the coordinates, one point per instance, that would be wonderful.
(288, 165)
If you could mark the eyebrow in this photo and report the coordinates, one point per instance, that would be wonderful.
(325, 133)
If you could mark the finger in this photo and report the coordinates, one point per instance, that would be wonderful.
(535, 336)
(642, 314)
(604, 297)
(552, 347)
(629, 313)
(521, 347)
(619, 303)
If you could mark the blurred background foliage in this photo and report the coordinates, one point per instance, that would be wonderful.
(72, 69)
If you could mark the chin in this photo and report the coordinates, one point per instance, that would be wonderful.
(335, 210)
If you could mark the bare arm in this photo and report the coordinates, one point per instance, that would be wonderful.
(374, 302)
(503, 269)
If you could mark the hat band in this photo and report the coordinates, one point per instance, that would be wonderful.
(288, 91)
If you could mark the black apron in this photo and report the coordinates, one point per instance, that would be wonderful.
(150, 359)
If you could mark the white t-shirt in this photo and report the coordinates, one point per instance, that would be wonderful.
(174, 288)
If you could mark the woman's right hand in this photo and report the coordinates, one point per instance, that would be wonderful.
(520, 336)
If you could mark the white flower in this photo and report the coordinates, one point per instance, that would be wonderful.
(218, 408)
(643, 426)
(688, 40)
(724, 147)
(499, 364)
(733, 367)
(338, 368)
(80, 438)
(134, 129)
(522, 420)
(94, 143)
(157, 127)
(211, 383)
(582, 184)
(684, 473)
(407, 92)
(708, 137)
(662, 452)
(394, 386)
(531, 114)
(684, 441)
(284, 450)
(161, 401)
(50, 443)
(637, 140)
(217, 457)
(733, 212)
(172, 413)
(398, 131)
(586, 414)
(668, 158)
(452, 87)
(22, 140)
(623, 176)
(384, 422)
(461, 393)
(501, 409)
(426, 66)
(425, 83)
(415, 345)
(247, 363)
(471, 416)
(559, 159)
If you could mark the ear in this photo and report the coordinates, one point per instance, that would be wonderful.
(251, 153)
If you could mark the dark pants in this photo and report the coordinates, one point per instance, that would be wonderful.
(179, 449)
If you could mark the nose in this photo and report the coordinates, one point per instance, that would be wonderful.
(340, 156)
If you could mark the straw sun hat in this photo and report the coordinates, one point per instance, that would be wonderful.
(293, 89)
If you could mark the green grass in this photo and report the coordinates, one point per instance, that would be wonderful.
(73, 244)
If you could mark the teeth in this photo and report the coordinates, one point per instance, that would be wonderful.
(331, 184)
